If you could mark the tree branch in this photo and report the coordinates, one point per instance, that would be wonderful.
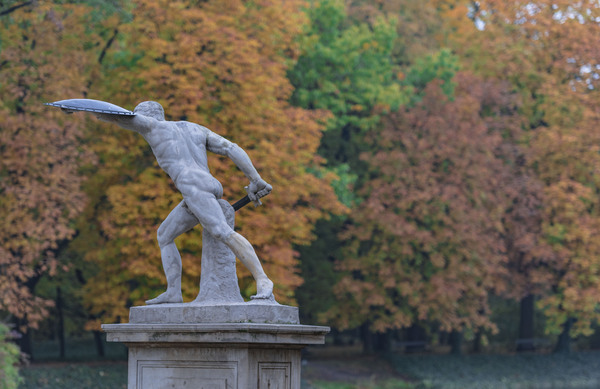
(15, 7)
(107, 46)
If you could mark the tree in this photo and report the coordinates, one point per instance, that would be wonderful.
(418, 27)
(225, 70)
(40, 181)
(545, 49)
(345, 68)
(427, 244)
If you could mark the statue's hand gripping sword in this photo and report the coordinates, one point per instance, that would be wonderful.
(246, 200)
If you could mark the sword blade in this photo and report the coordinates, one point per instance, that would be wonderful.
(241, 203)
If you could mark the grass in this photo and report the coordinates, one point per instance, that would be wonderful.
(75, 376)
(346, 369)
(81, 368)
(78, 350)
(387, 384)
(342, 368)
(576, 370)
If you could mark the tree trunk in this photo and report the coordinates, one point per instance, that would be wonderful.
(477, 342)
(456, 340)
(97, 334)
(367, 339)
(25, 343)
(99, 343)
(383, 342)
(526, 329)
(415, 339)
(337, 339)
(564, 340)
(24, 340)
(61, 323)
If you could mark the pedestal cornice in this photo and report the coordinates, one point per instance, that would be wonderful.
(217, 333)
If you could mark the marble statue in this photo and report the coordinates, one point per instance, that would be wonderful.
(180, 150)
(217, 340)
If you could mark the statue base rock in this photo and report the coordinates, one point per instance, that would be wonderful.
(190, 313)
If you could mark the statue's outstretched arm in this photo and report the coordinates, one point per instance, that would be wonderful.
(137, 123)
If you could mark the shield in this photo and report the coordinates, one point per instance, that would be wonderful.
(89, 105)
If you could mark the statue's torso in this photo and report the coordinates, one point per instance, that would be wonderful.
(180, 150)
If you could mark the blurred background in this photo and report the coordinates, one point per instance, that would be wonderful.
(435, 165)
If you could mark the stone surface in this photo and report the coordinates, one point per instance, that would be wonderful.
(218, 277)
(190, 313)
(214, 368)
(226, 355)
(217, 333)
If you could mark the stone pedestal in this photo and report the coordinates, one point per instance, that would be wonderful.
(251, 345)
(215, 355)
(218, 340)
(193, 313)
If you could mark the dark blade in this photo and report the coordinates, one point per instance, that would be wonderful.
(241, 203)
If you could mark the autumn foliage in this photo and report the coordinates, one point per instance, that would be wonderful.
(429, 230)
(227, 71)
(460, 136)
(40, 184)
(546, 50)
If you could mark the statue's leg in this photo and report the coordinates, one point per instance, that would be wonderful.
(208, 211)
(180, 220)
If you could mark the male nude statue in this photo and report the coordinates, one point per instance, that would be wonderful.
(180, 150)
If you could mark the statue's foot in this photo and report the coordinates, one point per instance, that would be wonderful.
(264, 289)
(167, 297)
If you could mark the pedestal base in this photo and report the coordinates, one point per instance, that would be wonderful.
(256, 311)
(227, 355)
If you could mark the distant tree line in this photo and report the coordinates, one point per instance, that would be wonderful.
(432, 161)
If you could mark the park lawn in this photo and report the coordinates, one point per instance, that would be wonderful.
(520, 371)
(100, 375)
(575, 370)
(349, 370)
(388, 384)
(81, 368)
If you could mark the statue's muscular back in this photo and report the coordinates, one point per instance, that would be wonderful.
(180, 150)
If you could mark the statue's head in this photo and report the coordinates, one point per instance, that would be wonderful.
(151, 109)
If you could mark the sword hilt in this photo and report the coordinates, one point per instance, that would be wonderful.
(245, 201)
(241, 203)
(257, 202)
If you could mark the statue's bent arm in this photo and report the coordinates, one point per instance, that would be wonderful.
(219, 145)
